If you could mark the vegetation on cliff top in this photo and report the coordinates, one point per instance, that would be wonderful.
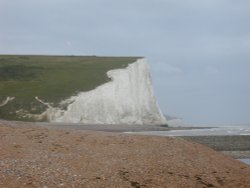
(51, 78)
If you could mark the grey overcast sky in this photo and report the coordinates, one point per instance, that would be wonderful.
(198, 50)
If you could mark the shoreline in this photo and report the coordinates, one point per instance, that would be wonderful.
(236, 146)
(119, 128)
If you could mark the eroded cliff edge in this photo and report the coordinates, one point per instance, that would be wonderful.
(127, 99)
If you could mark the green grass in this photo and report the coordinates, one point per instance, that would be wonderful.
(51, 78)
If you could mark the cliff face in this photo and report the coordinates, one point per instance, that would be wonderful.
(77, 89)
(127, 99)
(31, 86)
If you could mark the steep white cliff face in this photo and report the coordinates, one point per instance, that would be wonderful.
(127, 99)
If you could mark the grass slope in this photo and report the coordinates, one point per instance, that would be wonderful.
(51, 78)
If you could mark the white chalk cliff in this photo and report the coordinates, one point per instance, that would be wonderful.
(127, 99)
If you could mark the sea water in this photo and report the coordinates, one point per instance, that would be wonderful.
(247, 161)
(218, 131)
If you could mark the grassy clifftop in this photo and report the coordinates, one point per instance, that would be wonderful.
(51, 78)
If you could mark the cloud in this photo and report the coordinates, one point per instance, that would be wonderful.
(170, 69)
(69, 44)
(211, 70)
